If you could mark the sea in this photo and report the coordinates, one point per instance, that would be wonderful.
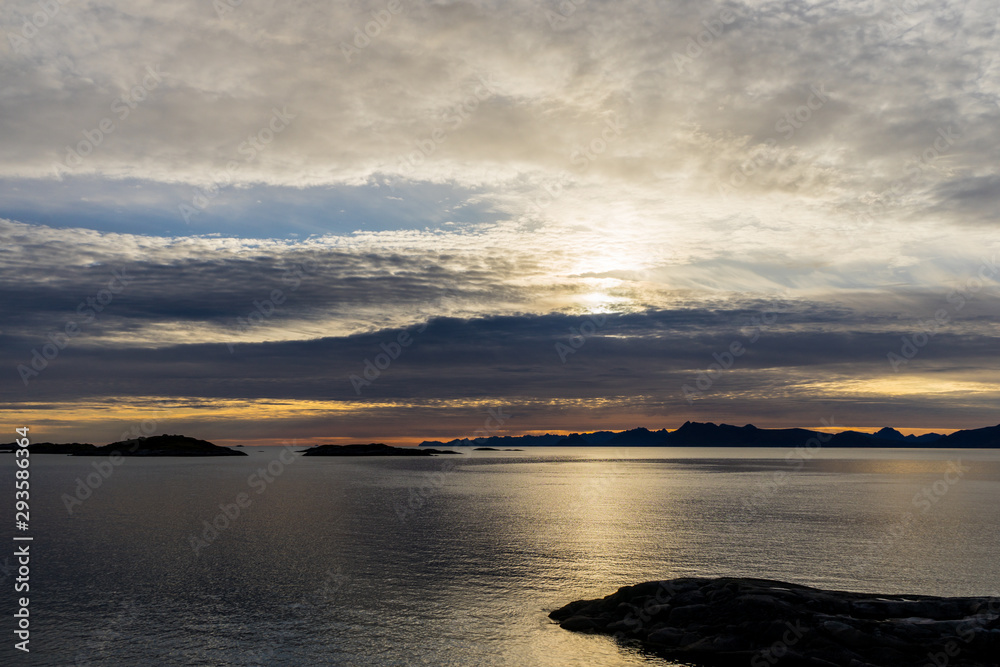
(279, 559)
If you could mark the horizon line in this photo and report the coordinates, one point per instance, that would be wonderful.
(408, 441)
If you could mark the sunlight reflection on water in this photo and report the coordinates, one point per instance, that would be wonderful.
(457, 560)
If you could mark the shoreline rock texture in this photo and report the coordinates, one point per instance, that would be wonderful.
(758, 622)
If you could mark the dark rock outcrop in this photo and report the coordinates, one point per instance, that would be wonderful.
(372, 449)
(60, 448)
(734, 621)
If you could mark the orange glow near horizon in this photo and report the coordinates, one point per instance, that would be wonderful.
(302, 423)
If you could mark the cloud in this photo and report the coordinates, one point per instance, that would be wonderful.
(498, 169)
(203, 288)
(547, 91)
(659, 363)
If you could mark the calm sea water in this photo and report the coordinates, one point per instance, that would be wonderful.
(457, 560)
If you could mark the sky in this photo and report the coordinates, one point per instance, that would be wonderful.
(258, 221)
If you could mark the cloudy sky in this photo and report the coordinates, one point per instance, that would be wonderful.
(221, 219)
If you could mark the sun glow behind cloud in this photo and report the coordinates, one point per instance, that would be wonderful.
(480, 167)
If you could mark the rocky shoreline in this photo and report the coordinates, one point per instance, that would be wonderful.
(736, 621)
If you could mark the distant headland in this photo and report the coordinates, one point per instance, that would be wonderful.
(708, 434)
(691, 434)
(156, 445)
(372, 449)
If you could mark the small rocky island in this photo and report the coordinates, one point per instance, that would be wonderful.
(734, 621)
(372, 449)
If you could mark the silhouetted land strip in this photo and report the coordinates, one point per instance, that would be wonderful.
(57, 448)
(708, 434)
(732, 621)
(156, 445)
(372, 449)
